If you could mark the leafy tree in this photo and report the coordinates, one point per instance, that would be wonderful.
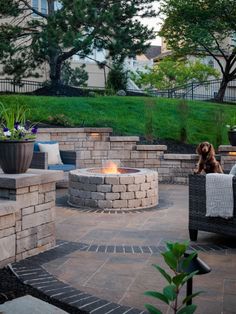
(171, 73)
(74, 77)
(117, 78)
(29, 37)
(203, 27)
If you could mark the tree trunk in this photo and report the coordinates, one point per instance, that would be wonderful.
(55, 71)
(54, 62)
(221, 92)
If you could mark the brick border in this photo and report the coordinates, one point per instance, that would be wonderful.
(163, 204)
(31, 272)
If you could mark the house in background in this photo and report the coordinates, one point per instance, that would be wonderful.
(97, 75)
(141, 63)
(209, 89)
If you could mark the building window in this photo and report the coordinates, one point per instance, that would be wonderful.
(41, 6)
(35, 5)
(44, 6)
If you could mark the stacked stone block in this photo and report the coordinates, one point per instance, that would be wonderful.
(94, 145)
(114, 192)
(227, 161)
(27, 220)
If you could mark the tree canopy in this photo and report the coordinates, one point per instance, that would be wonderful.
(203, 27)
(171, 73)
(31, 36)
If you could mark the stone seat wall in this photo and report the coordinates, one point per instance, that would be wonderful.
(93, 145)
(27, 222)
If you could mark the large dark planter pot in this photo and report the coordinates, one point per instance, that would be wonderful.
(232, 137)
(16, 156)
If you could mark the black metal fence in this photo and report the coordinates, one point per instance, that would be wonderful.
(25, 86)
(195, 91)
(199, 91)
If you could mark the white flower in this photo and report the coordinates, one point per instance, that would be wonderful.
(8, 133)
(21, 128)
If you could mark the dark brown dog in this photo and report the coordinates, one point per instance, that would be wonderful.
(207, 162)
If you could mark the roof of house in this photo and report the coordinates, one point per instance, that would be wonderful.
(152, 52)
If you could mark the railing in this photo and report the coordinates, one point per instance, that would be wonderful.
(195, 90)
(199, 91)
(10, 86)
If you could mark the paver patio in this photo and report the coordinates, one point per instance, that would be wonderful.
(114, 262)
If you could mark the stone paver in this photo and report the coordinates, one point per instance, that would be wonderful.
(29, 305)
(108, 258)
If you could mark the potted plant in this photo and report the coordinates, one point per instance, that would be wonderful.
(232, 132)
(16, 140)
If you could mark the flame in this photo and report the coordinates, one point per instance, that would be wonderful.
(110, 167)
(232, 153)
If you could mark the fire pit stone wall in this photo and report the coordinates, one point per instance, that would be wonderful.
(132, 190)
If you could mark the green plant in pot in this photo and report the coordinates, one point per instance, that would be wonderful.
(16, 139)
(232, 131)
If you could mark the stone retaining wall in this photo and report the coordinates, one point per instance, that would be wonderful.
(93, 145)
(27, 214)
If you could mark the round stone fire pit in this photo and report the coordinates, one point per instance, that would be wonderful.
(129, 189)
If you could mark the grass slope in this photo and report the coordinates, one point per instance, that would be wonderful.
(134, 115)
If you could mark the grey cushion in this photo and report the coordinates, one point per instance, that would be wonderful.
(233, 170)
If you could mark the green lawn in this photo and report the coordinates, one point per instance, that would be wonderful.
(133, 115)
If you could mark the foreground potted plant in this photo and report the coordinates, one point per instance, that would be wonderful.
(16, 140)
(232, 132)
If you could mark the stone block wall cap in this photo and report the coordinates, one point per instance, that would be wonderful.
(8, 207)
(98, 130)
(31, 177)
(152, 147)
(226, 148)
(124, 138)
(75, 130)
(181, 156)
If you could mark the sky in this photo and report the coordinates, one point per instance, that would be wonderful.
(155, 23)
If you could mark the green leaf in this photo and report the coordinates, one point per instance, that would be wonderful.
(170, 245)
(170, 260)
(179, 249)
(163, 272)
(157, 295)
(178, 279)
(152, 309)
(170, 292)
(189, 277)
(189, 309)
(190, 297)
(188, 259)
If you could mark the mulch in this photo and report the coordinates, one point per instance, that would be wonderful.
(173, 147)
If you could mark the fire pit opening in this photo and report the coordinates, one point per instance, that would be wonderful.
(112, 187)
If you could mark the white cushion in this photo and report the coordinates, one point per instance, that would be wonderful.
(54, 157)
(233, 170)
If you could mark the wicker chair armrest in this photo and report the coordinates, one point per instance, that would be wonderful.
(68, 157)
(39, 160)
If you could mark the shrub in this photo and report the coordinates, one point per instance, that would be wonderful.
(149, 112)
(60, 119)
(183, 111)
(121, 92)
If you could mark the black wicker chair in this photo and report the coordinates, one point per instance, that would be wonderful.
(197, 210)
